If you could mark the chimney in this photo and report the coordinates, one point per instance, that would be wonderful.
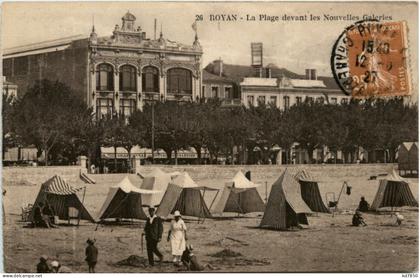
(259, 72)
(268, 72)
(308, 74)
(314, 76)
(218, 67)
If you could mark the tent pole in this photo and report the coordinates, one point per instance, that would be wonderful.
(238, 203)
(202, 207)
(266, 198)
(214, 199)
(339, 196)
(80, 212)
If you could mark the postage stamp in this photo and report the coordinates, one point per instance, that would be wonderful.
(370, 60)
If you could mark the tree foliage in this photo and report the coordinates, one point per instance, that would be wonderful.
(59, 124)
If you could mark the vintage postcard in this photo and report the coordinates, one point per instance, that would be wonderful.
(144, 137)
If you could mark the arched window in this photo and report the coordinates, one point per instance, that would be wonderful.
(179, 81)
(128, 78)
(150, 80)
(104, 78)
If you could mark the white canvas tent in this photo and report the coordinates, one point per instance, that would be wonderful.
(155, 180)
(239, 195)
(184, 195)
(285, 207)
(125, 201)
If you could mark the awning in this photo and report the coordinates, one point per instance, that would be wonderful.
(122, 153)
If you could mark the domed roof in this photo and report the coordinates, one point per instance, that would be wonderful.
(129, 16)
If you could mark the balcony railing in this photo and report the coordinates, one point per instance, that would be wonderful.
(233, 102)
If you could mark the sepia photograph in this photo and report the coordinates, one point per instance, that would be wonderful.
(210, 137)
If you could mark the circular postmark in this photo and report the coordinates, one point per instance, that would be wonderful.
(369, 59)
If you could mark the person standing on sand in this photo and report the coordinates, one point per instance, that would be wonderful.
(91, 255)
(177, 235)
(153, 231)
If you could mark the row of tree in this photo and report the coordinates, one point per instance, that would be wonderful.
(60, 125)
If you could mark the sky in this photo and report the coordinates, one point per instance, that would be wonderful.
(291, 44)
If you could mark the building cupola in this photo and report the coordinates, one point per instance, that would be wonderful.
(128, 21)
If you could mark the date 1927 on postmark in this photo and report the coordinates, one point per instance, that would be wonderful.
(370, 59)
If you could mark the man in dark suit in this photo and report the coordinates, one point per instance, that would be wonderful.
(153, 231)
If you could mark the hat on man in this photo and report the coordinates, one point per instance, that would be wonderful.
(55, 264)
(44, 258)
(177, 213)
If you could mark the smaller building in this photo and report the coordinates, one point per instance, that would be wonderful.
(287, 91)
(216, 85)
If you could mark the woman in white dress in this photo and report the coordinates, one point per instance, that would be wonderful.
(177, 235)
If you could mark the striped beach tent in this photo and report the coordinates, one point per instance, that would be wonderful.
(239, 195)
(184, 195)
(309, 189)
(125, 201)
(393, 191)
(285, 207)
(61, 197)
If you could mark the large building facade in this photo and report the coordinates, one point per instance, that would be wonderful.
(113, 74)
(273, 85)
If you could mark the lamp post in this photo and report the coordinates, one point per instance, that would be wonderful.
(153, 130)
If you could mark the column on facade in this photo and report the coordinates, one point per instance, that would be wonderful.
(197, 87)
(139, 96)
(92, 95)
(279, 157)
(117, 95)
(162, 86)
(280, 101)
(193, 87)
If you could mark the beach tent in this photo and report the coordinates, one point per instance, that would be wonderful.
(240, 195)
(124, 201)
(403, 157)
(413, 153)
(285, 207)
(408, 157)
(62, 198)
(155, 180)
(184, 194)
(310, 191)
(393, 191)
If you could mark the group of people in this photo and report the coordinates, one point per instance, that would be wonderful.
(91, 253)
(364, 206)
(153, 231)
(53, 267)
(177, 236)
(44, 215)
